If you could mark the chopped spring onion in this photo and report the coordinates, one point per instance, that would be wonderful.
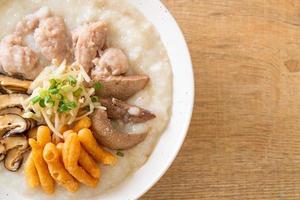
(53, 91)
(120, 154)
(72, 80)
(95, 99)
(61, 97)
(66, 88)
(35, 100)
(77, 92)
(42, 103)
(97, 86)
(43, 93)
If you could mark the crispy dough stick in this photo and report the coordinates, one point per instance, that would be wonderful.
(31, 174)
(71, 154)
(46, 180)
(82, 123)
(64, 128)
(59, 147)
(86, 162)
(66, 133)
(90, 144)
(57, 170)
(43, 135)
(55, 139)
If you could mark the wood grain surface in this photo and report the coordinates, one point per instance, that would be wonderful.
(244, 139)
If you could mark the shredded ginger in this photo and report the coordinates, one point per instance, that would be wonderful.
(59, 96)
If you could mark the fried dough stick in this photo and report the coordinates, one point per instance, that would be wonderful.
(31, 174)
(57, 170)
(43, 136)
(86, 162)
(46, 180)
(71, 153)
(90, 144)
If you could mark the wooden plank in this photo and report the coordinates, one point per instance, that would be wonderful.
(244, 140)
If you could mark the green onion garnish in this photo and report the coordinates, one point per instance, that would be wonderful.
(66, 106)
(63, 108)
(71, 105)
(95, 99)
(60, 96)
(35, 100)
(120, 153)
(77, 92)
(66, 88)
(97, 86)
(42, 103)
(52, 83)
(43, 93)
(53, 91)
(49, 101)
(72, 80)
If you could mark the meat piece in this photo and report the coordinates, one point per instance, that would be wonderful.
(120, 87)
(120, 110)
(87, 40)
(31, 21)
(111, 138)
(17, 59)
(52, 38)
(112, 62)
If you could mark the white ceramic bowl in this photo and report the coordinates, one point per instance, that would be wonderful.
(183, 99)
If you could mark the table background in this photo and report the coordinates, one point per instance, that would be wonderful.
(244, 139)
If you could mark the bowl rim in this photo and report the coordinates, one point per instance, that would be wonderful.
(190, 112)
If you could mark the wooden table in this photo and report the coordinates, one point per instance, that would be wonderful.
(244, 140)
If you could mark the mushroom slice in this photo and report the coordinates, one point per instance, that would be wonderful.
(14, 159)
(12, 100)
(121, 87)
(15, 148)
(31, 123)
(11, 124)
(11, 85)
(111, 138)
(14, 142)
(2, 152)
(14, 110)
(120, 110)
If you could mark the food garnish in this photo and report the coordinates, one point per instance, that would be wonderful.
(97, 86)
(120, 154)
(58, 97)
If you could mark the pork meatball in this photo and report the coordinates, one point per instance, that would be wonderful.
(112, 62)
(87, 40)
(52, 38)
(31, 21)
(17, 59)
